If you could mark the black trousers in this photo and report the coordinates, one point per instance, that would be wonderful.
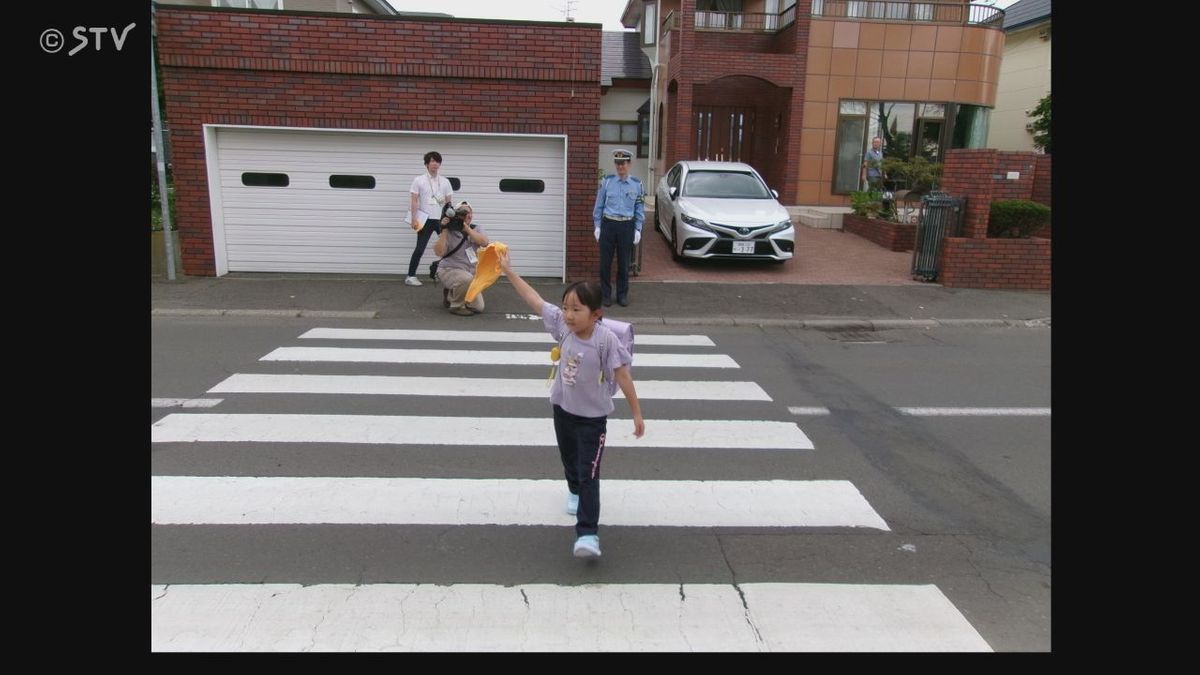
(432, 226)
(581, 445)
(615, 236)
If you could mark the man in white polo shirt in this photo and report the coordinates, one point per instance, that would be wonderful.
(430, 192)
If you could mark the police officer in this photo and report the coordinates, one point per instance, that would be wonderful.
(618, 216)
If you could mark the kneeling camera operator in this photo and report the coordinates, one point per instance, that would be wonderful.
(458, 245)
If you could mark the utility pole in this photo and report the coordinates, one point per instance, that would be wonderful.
(160, 154)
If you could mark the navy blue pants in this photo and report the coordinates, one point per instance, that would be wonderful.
(432, 226)
(581, 445)
(615, 236)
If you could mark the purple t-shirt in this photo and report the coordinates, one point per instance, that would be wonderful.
(577, 387)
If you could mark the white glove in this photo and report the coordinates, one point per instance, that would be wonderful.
(597, 233)
(637, 236)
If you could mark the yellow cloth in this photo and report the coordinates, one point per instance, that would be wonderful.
(487, 270)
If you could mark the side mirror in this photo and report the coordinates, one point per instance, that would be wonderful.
(672, 190)
(775, 193)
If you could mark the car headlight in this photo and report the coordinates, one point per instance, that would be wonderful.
(780, 226)
(696, 222)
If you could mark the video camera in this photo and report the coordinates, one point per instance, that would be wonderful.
(456, 217)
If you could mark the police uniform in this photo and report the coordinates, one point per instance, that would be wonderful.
(619, 212)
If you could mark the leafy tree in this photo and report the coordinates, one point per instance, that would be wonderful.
(1040, 127)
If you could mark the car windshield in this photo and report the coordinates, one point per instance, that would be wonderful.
(724, 185)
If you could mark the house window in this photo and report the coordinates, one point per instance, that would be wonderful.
(649, 25)
(249, 4)
(618, 132)
(851, 132)
(906, 129)
(971, 126)
(522, 185)
(253, 179)
(643, 144)
(352, 182)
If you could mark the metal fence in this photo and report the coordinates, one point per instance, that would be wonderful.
(941, 217)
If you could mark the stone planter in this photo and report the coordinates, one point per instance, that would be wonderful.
(890, 235)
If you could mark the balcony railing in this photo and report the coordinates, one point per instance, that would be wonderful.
(920, 12)
(669, 23)
(745, 22)
(671, 40)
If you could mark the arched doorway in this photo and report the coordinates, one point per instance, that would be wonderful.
(741, 118)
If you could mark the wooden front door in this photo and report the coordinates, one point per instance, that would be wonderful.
(725, 134)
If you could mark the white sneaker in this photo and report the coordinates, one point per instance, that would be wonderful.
(412, 281)
(572, 504)
(587, 546)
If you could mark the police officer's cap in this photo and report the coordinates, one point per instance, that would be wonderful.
(622, 155)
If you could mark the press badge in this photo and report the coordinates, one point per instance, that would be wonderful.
(471, 257)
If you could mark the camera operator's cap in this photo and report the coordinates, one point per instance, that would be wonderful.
(463, 206)
(622, 155)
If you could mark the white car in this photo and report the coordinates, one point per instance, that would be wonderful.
(722, 210)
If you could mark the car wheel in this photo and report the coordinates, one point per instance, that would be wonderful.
(675, 241)
(657, 222)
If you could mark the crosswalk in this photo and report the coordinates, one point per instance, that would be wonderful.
(503, 375)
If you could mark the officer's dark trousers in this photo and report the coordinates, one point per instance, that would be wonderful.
(432, 226)
(581, 445)
(615, 236)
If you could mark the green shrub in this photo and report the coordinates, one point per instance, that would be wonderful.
(1016, 218)
(156, 208)
(918, 174)
(867, 204)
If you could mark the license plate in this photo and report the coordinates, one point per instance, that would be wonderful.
(743, 247)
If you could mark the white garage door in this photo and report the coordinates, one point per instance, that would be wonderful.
(300, 200)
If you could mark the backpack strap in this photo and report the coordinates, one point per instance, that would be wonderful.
(605, 351)
(455, 249)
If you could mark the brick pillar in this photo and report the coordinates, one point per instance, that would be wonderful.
(683, 123)
(1041, 181)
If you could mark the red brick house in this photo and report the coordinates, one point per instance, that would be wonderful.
(296, 135)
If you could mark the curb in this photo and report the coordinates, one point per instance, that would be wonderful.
(828, 325)
(277, 313)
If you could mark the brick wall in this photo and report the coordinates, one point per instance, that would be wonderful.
(974, 261)
(355, 72)
(1013, 264)
(981, 177)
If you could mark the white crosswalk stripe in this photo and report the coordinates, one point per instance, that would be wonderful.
(540, 337)
(480, 431)
(461, 357)
(493, 387)
(545, 617)
(428, 501)
(469, 616)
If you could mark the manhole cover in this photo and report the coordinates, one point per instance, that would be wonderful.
(857, 336)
